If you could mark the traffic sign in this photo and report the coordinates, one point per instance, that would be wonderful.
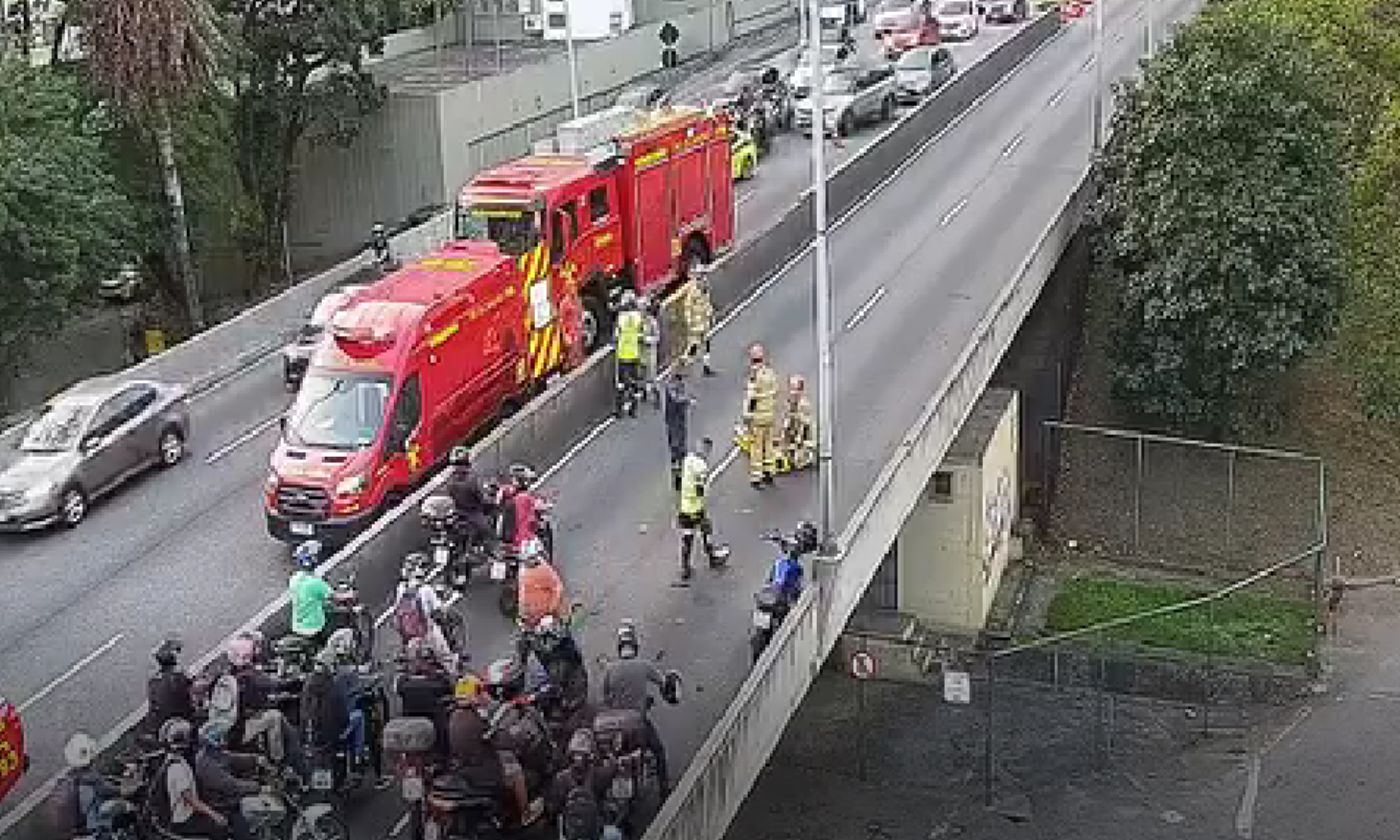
(863, 666)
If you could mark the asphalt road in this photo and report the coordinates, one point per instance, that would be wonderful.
(186, 552)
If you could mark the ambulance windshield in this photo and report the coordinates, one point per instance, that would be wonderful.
(336, 410)
(513, 229)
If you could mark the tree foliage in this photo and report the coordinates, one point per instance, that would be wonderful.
(64, 221)
(1220, 218)
(149, 53)
(297, 75)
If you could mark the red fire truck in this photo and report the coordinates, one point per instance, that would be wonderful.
(13, 759)
(627, 200)
(410, 366)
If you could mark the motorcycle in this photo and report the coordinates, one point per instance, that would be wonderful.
(409, 743)
(506, 570)
(448, 545)
(278, 812)
(634, 796)
(347, 611)
(336, 772)
(453, 810)
(770, 604)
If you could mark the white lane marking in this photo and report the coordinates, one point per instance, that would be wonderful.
(67, 675)
(235, 376)
(956, 209)
(1013, 145)
(1057, 98)
(1118, 39)
(745, 196)
(1088, 62)
(223, 451)
(865, 308)
(400, 825)
(1244, 819)
(575, 450)
(729, 458)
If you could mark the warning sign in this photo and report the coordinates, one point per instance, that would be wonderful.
(863, 666)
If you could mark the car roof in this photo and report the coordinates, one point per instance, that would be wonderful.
(98, 388)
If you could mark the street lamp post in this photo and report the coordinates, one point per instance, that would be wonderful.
(1098, 75)
(1147, 15)
(821, 276)
(573, 58)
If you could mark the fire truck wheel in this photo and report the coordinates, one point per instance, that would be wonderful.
(596, 323)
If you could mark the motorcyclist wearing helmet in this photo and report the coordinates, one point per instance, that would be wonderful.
(424, 687)
(180, 808)
(627, 684)
(428, 612)
(799, 443)
(309, 593)
(257, 716)
(224, 778)
(541, 591)
(472, 754)
(76, 809)
(338, 695)
(628, 337)
(517, 732)
(585, 769)
(168, 692)
(760, 396)
(469, 496)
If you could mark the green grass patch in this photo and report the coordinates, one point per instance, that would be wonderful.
(1242, 626)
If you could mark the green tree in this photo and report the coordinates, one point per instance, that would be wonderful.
(1220, 217)
(298, 75)
(64, 221)
(149, 56)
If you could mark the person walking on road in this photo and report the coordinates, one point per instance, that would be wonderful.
(677, 414)
(698, 314)
(692, 516)
(651, 349)
(760, 396)
(628, 337)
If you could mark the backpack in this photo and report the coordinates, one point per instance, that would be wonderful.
(581, 818)
(65, 808)
(223, 700)
(409, 618)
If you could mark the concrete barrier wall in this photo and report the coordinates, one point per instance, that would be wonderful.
(420, 148)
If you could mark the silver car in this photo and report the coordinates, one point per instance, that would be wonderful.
(85, 443)
(297, 355)
(851, 96)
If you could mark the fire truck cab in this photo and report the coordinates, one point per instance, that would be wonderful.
(622, 199)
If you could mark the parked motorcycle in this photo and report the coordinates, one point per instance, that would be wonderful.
(771, 606)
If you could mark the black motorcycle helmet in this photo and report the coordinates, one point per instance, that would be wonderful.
(460, 456)
(629, 644)
(505, 680)
(807, 538)
(167, 654)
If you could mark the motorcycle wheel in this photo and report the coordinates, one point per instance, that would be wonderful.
(326, 826)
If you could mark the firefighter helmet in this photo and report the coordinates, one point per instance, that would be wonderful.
(756, 354)
(796, 383)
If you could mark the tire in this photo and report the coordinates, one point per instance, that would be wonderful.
(325, 826)
(846, 126)
(72, 507)
(597, 322)
(170, 449)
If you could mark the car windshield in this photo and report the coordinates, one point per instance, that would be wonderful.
(736, 84)
(58, 428)
(957, 7)
(513, 229)
(914, 60)
(839, 83)
(337, 410)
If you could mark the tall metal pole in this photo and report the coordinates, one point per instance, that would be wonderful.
(1098, 75)
(496, 28)
(573, 58)
(437, 38)
(1147, 14)
(821, 266)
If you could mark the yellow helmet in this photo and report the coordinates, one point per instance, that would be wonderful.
(467, 688)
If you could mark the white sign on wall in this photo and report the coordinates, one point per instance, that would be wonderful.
(957, 687)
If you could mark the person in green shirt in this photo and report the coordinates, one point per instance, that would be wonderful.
(309, 593)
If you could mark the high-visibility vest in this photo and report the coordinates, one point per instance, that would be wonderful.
(629, 336)
(693, 473)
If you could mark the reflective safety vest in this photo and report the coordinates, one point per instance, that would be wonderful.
(694, 471)
(629, 336)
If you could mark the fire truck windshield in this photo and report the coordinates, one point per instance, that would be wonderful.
(336, 410)
(515, 230)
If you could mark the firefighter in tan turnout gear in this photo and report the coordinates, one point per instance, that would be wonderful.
(799, 444)
(698, 314)
(760, 406)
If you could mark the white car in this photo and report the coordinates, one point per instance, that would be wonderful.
(957, 20)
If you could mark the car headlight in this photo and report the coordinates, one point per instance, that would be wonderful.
(351, 485)
(39, 492)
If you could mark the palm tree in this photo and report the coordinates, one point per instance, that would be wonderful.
(146, 56)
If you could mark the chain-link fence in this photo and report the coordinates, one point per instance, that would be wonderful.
(1210, 509)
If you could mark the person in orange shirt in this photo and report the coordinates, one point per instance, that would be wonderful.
(541, 592)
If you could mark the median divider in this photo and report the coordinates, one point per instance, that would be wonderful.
(544, 430)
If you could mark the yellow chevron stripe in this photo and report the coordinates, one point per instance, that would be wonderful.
(542, 356)
(534, 342)
(540, 261)
(556, 349)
